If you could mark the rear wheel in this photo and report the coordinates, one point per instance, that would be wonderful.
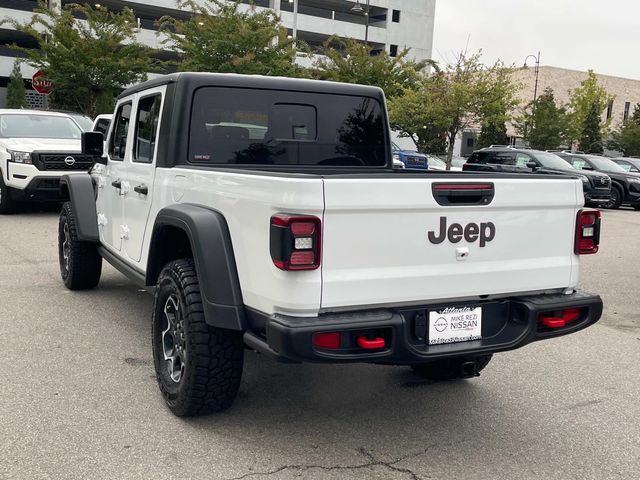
(616, 198)
(198, 367)
(7, 205)
(80, 262)
(452, 368)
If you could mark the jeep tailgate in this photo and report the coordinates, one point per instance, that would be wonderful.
(377, 248)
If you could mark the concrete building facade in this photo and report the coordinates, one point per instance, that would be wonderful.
(389, 25)
(562, 81)
(626, 92)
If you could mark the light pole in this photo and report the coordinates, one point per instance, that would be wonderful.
(295, 18)
(537, 71)
(358, 9)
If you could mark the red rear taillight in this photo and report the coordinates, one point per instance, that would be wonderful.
(330, 340)
(587, 232)
(295, 242)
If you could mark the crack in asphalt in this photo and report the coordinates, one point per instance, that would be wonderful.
(373, 462)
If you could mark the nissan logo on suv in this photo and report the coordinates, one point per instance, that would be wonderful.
(69, 160)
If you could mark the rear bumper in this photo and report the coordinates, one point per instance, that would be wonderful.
(507, 324)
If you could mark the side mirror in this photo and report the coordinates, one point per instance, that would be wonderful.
(532, 165)
(92, 144)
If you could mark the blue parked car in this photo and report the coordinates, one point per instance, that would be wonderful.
(410, 158)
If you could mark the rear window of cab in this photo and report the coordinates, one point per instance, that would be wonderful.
(231, 126)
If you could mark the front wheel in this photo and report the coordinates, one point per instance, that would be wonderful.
(80, 262)
(7, 205)
(198, 367)
(616, 198)
(452, 368)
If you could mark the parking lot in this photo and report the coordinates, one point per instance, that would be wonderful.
(79, 397)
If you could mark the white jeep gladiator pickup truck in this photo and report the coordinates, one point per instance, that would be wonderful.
(36, 149)
(265, 213)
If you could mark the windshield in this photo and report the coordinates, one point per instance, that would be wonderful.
(86, 124)
(605, 164)
(436, 163)
(273, 127)
(549, 160)
(458, 161)
(38, 126)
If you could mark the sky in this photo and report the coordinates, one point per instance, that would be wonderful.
(579, 35)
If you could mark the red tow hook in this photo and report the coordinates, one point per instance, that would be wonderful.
(367, 344)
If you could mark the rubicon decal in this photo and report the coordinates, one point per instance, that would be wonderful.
(472, 232)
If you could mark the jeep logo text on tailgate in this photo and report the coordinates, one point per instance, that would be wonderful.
(485, 232)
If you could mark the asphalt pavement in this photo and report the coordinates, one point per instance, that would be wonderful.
(78, 397)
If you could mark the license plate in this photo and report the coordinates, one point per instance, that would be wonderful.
(452, 325)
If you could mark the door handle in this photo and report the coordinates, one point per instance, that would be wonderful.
(117, 184)
(142, 189)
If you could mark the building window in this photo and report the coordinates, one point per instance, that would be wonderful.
(610, 109)
(470, 142)
(627, 107)
(393, 50)
(395, 16)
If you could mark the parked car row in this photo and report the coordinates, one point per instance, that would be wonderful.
(404, 158)
(37, 147)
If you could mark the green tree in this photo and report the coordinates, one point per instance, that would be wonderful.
(627, 138)
(418, 115)
(452, 100)
(590, 96)
(544, 125)
(347, 60)
(591, 135)
(16, 97)
(223, 37)
(493, 133)
(88, 53)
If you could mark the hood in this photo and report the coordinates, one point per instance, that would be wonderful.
(413, 153)
(67, 145)
(576, 172)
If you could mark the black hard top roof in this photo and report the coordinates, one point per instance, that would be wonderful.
(195, 80)
(509, 149)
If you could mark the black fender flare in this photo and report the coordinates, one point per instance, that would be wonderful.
(214, 259)
(81, 191)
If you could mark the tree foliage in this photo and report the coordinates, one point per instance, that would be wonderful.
(452, 100)
(16, 97)
(627, 138)
(88, 53)
(224, 37)
(493, 132)
(544, 125)
(347, 60)
(591, 135)
(586, 100)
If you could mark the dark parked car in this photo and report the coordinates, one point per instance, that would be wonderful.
(410, 158)
(596, 186)
(630, 164)
(625, 185)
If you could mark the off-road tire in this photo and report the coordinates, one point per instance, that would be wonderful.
(213, 357)
(7, 205)
(449, 369)
(616, 197)
(82, 268)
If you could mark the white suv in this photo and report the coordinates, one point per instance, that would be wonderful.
(36, 149)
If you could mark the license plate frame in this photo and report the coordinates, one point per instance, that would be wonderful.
(454, 325)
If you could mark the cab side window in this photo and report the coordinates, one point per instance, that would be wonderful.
(501, 158)
(118, 141)
(522, 160)
(147, 119)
